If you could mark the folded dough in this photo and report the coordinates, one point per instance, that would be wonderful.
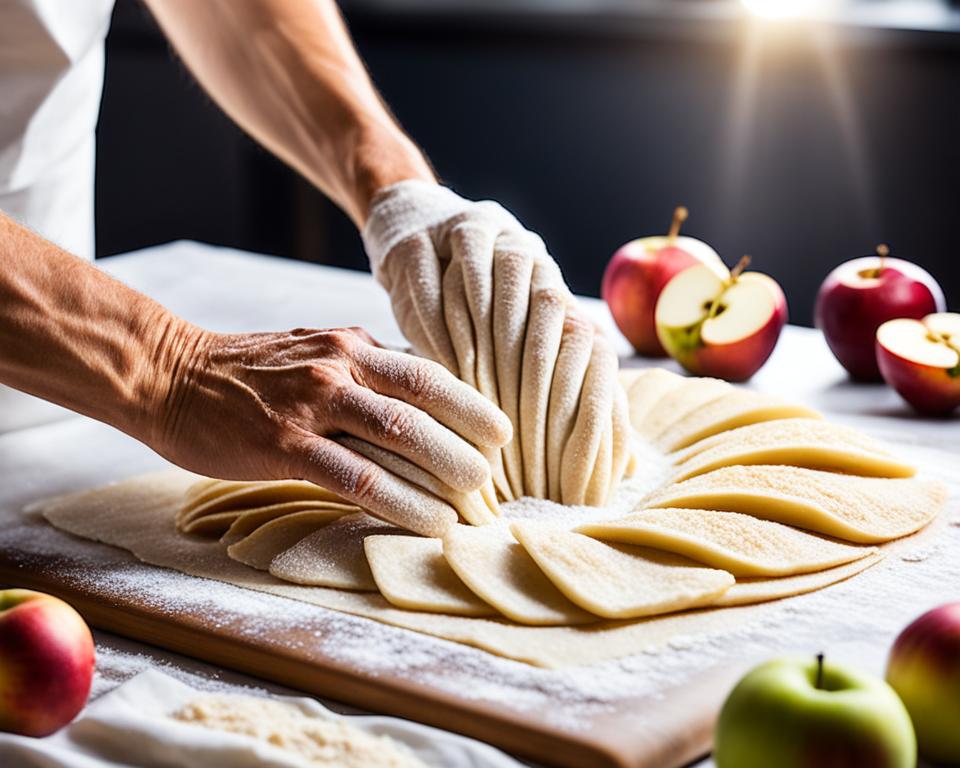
(250, 519)
(616, 581)
(644, 388)
(230, 497)
(737, 408)
(866, 510)
(802, 442)
(576, 346)
(688, 395)
(512, 273)
(258, 548)
(497, 569)
(333, 556)
(540, 350)
(596, 404)
(411, 573)
(740, 544)
(749, 591)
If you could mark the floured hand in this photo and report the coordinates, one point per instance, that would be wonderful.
(474, 290)
(271, 405)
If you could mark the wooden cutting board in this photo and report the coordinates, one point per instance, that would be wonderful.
(666, 731)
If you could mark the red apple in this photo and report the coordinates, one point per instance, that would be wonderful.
(638, 272)
(921, 360)
(46, 662)
(924, 669)
(721, 326)
(860, 295)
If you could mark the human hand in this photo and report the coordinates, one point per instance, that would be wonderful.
(473, 289)
(270, 406)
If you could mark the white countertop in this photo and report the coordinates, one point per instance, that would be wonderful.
(226, 290)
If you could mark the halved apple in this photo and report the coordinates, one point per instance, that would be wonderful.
(921, 360)
(720, 325)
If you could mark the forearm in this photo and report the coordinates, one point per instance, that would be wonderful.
(286, 71)
(75, 336)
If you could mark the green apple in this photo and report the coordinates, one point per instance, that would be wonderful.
(803, 713)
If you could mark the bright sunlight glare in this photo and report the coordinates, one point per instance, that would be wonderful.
(784, 9)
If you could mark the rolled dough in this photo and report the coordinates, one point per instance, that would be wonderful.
(865, 510)
(737, 408)
(740, 544)
(645, 388)
(810, 443)
(688, 395)
(616, 581)
(137, 514)
(258, 548)
(251, 519)
(333, 556)
(411, 572)
(495, 567)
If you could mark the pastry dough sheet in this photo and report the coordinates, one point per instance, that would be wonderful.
(138, 515)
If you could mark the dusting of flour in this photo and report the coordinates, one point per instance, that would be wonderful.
(332, 743)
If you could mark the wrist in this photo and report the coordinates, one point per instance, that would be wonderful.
(384, 155)
(174, 353)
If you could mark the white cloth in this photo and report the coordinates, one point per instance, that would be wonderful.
(51, 79)
(131, 726)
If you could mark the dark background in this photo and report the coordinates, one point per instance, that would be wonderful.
(590, 127)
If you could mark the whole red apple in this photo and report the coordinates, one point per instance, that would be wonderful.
(46, 662)
(921, 360)
(924, 669)
(637, 273)
(860, 295)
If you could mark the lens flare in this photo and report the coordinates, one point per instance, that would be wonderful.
(785, 9)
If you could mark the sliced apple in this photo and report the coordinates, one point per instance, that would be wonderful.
(921, 360)
(723, 326)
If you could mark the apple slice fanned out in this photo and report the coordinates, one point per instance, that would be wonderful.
(740, 544)
(619, 582)
(810, 443)
(865, 510)
(687, 397)
(736, 408)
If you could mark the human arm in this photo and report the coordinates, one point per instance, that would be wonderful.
(237, 406)
(286, 71)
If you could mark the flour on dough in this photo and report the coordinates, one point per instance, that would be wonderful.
(737, 408)
(741, 544)
(616, 581)
(259, 547)
(865, 510)
(688, 395)
(333, 556)
(411, 573)
(496, 568)
(810, 443)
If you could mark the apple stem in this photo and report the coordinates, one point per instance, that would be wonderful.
(819, 683)
(883, 250)
(738, 269)
(679, 216)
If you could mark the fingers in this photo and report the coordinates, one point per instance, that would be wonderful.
(432, 388)
(379, 492)
(409, 432)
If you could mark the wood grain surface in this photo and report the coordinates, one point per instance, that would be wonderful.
(665, 732)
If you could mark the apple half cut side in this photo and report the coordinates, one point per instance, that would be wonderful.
(920, 359)
(723, 327)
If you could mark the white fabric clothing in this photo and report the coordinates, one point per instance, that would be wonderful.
(51, 80)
